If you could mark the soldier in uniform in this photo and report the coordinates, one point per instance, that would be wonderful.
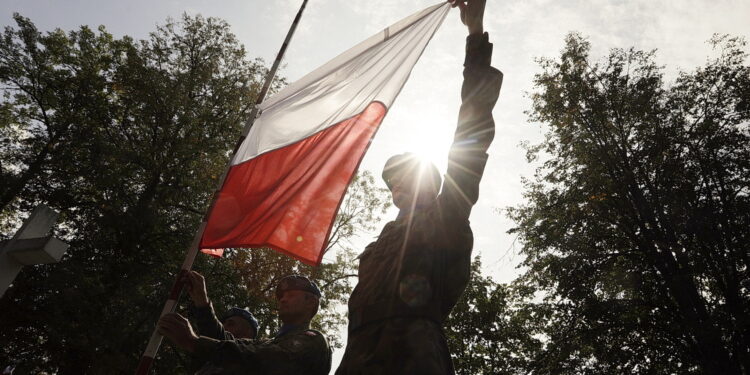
(413, 274)
(294, 349)
(236, 322)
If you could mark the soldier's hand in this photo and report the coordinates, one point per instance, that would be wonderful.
(195, 284)
(472, 14)
(178, 330)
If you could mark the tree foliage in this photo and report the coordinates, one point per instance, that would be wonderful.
(637, 223)
(127, 140)
(494, 328)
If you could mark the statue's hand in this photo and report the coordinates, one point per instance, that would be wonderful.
(472, 14)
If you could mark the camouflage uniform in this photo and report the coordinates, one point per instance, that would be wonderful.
(413, 274)
(207, 324)
(295, 350)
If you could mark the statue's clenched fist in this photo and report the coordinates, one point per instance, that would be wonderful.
(472, 14)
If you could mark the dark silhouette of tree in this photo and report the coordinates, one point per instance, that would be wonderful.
(637, 224)
(494, 328)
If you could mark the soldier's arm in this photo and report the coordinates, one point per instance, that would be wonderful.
(202, 309)
(207, 323)
(297, 353)
(475, 130)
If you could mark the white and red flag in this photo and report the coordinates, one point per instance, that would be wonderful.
(290, 173)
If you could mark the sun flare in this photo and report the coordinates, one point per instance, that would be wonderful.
(433, 147)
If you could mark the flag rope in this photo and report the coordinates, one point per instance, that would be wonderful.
(147, 359)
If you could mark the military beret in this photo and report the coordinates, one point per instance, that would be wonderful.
(296, 282)
(242, 313)
(409, 164)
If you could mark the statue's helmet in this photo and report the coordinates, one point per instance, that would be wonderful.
(410, 166)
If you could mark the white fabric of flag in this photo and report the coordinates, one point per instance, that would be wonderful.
(290, 174)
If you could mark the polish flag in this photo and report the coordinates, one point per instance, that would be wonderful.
(290, 173)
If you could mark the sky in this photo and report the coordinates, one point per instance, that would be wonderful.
(423, 117)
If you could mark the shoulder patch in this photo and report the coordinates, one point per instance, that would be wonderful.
(311, 333)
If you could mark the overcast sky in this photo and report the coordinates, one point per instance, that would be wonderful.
(425, 112)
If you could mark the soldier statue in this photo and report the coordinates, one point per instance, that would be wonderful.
(414, 273)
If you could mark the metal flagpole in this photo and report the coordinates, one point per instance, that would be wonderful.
(147, 359)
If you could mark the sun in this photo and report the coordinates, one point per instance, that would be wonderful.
(427, 133)
(433, 147)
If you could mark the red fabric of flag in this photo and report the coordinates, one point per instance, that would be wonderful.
(287, 199)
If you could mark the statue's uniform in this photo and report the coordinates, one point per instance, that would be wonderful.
(294, 350)
(413, 274)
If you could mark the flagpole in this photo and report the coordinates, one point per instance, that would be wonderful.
(147, 359)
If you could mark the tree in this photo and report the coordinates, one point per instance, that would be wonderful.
(126, 139)
(107, 133)
(494, 328)
(50, 84)
(636, 225)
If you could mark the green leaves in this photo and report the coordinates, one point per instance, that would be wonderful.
(632, 225)
(492, 329)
